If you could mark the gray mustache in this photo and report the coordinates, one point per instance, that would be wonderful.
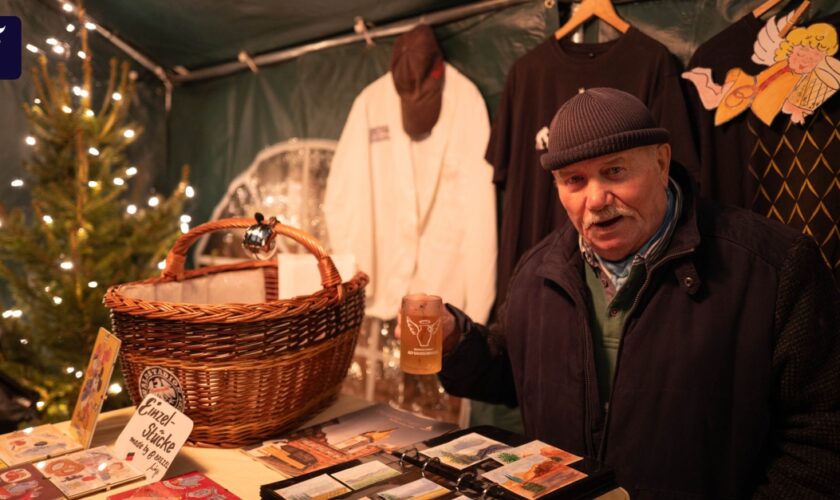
(605, 214)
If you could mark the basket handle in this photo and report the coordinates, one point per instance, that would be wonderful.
(178, 255)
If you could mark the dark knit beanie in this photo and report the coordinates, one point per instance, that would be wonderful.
(598, 122)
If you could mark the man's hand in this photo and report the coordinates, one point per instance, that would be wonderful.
(447, 324)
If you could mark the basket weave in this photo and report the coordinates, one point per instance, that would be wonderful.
(247, 371)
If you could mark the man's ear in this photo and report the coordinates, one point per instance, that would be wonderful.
(663, 161)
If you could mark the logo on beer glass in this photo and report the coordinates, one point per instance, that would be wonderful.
(424, 331)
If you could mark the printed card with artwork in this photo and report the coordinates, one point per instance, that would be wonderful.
(320, 487)
(364, 475)
(96, 381)
(466, 450)
(421, 489)
(25, 482)
(534, 476)
(534, 448)
(189, 485)
(349, 437)
(46, 441)
(87, 471)
(35, 443)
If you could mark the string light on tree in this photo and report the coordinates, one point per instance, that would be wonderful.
(92, 284)
(70, 370)
(79, 373)
(68, 7)
(40, 405)
(81, 54)
(90, 26)
(89, 113)
(17, 183)
(116, 96)
(67, 109)
(30, 140)
(93, 184)
(71, 28)
(52, 41)
(189, 192)
(66, 265)
(154, 201)
(162, 265)
(93, 151)
(119, 181)
(131, 209)
(32, 48)
(186, 219)
(47, 219)
(131, 171)
(57, 300)
(129, 133)
(58, 49)
(24, 341)
(185, 228)
(115, 389)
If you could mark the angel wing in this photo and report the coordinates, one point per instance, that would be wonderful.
(413, 327)
(764, 48)
(434, 327)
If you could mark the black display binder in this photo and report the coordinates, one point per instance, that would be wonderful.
(599, 480)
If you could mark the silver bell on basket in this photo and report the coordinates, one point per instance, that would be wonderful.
(259, 239)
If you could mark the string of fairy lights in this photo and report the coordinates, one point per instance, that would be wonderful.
(59, 47)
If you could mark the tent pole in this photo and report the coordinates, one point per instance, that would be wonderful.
(384, 31)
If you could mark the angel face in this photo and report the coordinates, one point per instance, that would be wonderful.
(803, 59)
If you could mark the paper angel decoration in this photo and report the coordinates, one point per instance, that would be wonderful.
(802, 74)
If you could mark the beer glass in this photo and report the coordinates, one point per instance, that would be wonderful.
(421, 337)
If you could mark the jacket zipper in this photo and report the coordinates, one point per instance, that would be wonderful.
(602, 448)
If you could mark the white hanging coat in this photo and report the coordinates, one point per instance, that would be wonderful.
(437, 236)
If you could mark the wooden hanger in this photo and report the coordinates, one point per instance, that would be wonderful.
(602, 9)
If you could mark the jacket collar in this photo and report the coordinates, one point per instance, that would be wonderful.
(562, 263)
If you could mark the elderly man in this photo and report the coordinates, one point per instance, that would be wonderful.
(692, 347)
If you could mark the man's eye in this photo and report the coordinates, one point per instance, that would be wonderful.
(615, 170)
(575, 179)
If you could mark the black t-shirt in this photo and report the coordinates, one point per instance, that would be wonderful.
(537, 85)
(784, 171)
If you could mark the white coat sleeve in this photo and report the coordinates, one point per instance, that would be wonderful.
(480, 242)
(348, 201)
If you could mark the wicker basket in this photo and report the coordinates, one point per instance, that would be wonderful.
(242, 371)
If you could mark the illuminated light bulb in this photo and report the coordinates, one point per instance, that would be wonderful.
(89, 113)
(28, 430)
(37, 101)
(70, 370)
(70, 28)
(131, 209)
(190, 192)
(57, 300)
(8, 312)
(92, 150)
(116, 96)
(128, 134)
(92, 284)
(92, 184)
(66, 265)
(89, 25)
(16, 183)
(67, 7)
(79, 373)
(161, 265)
(58, 49)
(24, 341)
(186, 218)
(48, 219)
(77, 90)
(119, 181)
(154, 201)
(40, 405)
(185, 228)
(32, 48)
(67, 109)
(115, 388)
(52, 41)
(130, 171)
(30, 140)
(81, 54)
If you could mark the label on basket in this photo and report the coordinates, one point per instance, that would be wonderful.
(163, 384)
(153, 437)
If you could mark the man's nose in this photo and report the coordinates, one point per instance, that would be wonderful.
(597, 197)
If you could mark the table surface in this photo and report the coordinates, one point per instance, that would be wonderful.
(231, 468)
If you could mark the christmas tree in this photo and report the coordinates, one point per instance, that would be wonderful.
(81, 235)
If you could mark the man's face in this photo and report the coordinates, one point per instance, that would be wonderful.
(617, 201)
